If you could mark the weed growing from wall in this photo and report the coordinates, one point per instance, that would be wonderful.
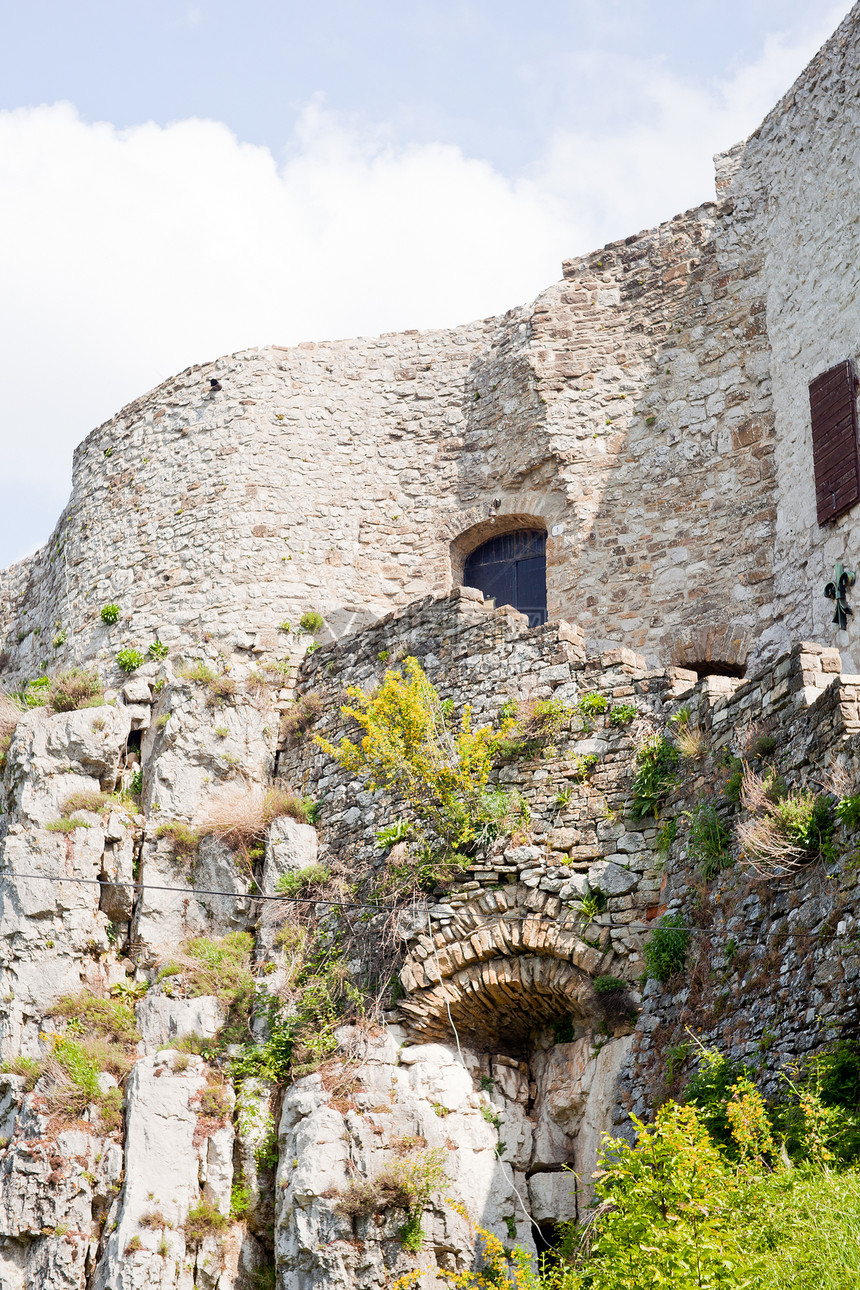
(656, 774)
(708, 840)
(666, 951)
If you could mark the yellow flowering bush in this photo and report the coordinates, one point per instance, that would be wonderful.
(414, 747)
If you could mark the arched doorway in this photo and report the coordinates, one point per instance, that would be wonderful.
(512, 569)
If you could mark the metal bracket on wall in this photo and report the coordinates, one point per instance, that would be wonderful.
(836, 590)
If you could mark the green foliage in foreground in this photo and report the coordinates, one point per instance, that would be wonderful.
(706, 1201)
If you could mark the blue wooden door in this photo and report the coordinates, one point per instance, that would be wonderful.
(512, 569)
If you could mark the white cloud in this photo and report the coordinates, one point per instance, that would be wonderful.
(126, 255)
(660, 162)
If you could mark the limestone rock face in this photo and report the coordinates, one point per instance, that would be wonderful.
(176, 1158)
(162, 1020)
(410, 1100)
(290, 846)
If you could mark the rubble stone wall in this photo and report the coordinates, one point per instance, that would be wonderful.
(795, 189)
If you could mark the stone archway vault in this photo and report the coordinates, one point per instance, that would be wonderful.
(511, 962)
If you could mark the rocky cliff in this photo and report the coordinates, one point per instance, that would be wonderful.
(238, 1051)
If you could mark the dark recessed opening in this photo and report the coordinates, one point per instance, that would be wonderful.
(716, 669)
(547, 1237)
(134, 740)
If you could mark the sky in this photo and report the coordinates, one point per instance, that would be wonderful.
(183, 180)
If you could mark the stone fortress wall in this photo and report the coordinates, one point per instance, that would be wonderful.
(630, 410)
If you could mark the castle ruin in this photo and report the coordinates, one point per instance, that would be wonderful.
(637, 494)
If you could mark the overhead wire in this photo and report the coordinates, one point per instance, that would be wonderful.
(202, 891)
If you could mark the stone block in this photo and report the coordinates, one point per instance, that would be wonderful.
(611, 879)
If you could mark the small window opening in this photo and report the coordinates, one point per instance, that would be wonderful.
(716, 669)
(511, 568)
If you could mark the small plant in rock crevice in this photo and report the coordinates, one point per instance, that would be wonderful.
(204, 1219)
(299, 718)
(390, 834)
(784, 828)
(847, 811)
(531, 728)
(67, 691)
(593, 704)
(582, 764)
(129, 659)
(666, 835)
(312, 622)
(183, 839)
(623, 714)
(301, 882)
(110, 614)
(408, 1183)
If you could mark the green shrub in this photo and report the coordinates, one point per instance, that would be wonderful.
(708, 840)
(666, 951)
(312, 622)
(848, 811)
(157, 650)
(593, 703)
(656, 763)
(763, 746)
(302, 881)
(710, 1090)
(413, 748)
(135, 786)
(623, 714)
(129, 659)
(110, 613)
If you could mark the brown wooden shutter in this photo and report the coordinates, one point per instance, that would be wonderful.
(833, 404)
